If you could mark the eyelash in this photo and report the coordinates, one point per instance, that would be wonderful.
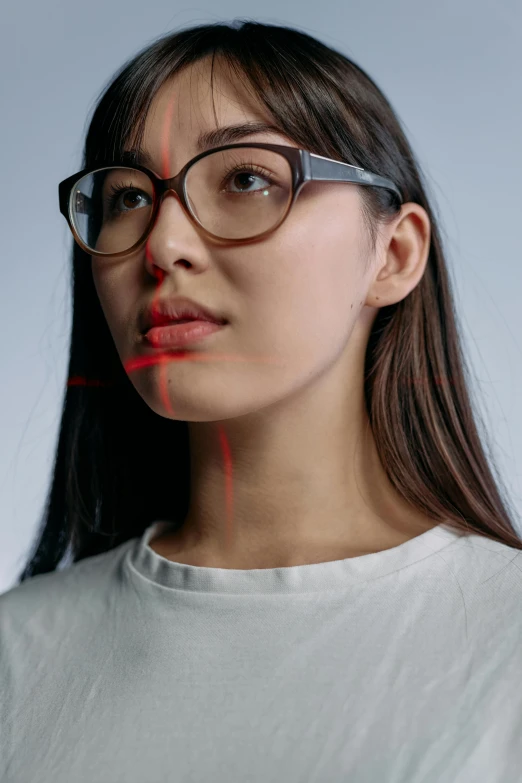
(248, 168)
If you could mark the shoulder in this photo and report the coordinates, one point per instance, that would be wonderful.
(38, 604)
(488, 577)
(483, 561)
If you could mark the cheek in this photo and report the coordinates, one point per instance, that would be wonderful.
(316, 291)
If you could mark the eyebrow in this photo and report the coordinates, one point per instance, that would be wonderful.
(227, 134)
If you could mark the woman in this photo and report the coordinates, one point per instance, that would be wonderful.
(290, 558)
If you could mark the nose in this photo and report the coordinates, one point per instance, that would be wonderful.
(174, 236)
(172, 215)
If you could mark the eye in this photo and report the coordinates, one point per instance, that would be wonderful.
(241, 175)
(131, 198)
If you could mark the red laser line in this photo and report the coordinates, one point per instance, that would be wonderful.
(136, 363)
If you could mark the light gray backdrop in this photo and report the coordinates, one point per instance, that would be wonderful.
(451, 69)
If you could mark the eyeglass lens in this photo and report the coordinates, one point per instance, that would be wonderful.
(234, 194)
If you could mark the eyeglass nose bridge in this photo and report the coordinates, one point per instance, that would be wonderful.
(176, 185)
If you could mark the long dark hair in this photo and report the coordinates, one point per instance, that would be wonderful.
(104, 490)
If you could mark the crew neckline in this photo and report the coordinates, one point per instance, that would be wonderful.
(314, 577)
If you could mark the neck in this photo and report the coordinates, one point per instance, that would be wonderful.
(305, 488)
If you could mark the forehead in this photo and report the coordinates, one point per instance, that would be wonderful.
(188, 106)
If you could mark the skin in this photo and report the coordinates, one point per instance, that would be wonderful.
(308, 486)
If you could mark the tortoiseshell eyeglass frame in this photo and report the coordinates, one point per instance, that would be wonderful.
(306, 167)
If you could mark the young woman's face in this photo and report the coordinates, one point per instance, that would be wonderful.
(291, 299)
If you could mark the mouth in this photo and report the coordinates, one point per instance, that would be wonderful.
(178, 310)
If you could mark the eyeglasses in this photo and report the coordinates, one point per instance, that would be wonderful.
(111, 209)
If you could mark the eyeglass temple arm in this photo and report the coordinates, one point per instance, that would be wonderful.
(327, 170)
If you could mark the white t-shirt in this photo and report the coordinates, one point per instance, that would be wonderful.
(401, 666)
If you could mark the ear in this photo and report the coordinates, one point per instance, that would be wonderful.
(402, 254)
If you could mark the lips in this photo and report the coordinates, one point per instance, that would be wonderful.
(180, 334)
(176, 310)
(167, 320)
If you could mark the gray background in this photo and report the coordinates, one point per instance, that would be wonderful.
(452, 71)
